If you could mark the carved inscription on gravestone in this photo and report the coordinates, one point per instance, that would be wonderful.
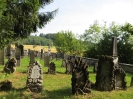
(35, 77)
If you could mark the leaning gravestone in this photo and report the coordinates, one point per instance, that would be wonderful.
(18, 56)
(2, 57)
(52, 68)
(80, 74)
(35, 77)
(10, 66)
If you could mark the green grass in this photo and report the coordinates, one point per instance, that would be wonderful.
(56, 86)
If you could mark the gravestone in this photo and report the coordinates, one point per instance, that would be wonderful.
(10, 66)
(32, 57)
(52, 68)
(8, 51)
(2, 57)
(35, 77)
(46, 61)
(80, 77)
(18, 56)
(64, 62)
(5, 85)
(131, 84)
(109, 75)
(69, 67)
(95, 67)
(42, 53)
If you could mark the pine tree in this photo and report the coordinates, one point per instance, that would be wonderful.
(20, 18)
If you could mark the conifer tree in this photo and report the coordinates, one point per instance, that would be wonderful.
(20, 18)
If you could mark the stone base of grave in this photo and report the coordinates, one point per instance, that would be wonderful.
(5, 85)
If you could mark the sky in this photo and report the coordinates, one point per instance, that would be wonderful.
(78, 15)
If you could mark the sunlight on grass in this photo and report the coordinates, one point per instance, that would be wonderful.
(56, 86)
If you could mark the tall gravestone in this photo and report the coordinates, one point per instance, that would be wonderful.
(18, 55)
(8, 51)
(35, 77)
(2, 57)
(32, 57)
(109, 75)
(46, 60)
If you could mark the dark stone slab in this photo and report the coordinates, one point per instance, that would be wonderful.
(18, 56)
(32, 57)
(2, 57)
(5, 85)
(52, 68)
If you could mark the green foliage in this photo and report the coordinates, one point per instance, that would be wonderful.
(18, 19)
(66, 42)
(103, 46)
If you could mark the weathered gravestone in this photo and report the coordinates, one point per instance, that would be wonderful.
(64, 63)
(131, 84)
(69, 65)
(2, 57)
(18, 56)
(35, 77)
(95, 67)
(80, 74)
(52, 68)
(109, 75)
(8, 51)
(46, 61)
(32, 57)
(5, 85)
(10, 66)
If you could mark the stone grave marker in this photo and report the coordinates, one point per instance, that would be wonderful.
(35, 77)
(10, 66)
(32, 57)
(46, 61)
(18, 56)
(8, 51)
(69, 67)
(80, 77)
(131, 84)
(52, 68)
(109, 75)
(5, 85)
(64, 63)
(2, 57)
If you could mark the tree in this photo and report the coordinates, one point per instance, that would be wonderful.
(20, 18)
(66, 42)
(103, 47)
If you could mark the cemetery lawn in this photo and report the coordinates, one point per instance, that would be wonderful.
(55, 86)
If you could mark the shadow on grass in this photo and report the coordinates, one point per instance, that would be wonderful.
(64, 93)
